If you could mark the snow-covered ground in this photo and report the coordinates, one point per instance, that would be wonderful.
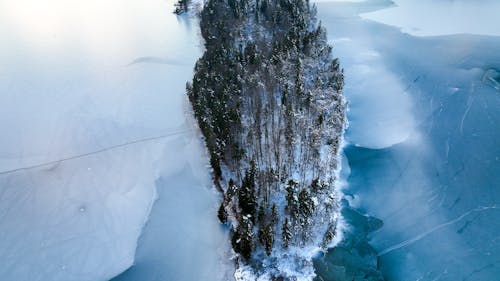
(424, 131)
(94, 127)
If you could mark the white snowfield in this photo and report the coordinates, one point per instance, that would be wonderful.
(92, 115)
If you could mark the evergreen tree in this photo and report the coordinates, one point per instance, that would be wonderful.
(261, 215)
(242, 239)
(221, 213)
(181, 6)
(246, 194)
(215, 163)
(274, 215)
(286, 233)
(232, 189)
(306, 204)
(329, 235)
(269, 238)
(291, 198)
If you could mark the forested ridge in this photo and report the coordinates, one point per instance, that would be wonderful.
(267, 95)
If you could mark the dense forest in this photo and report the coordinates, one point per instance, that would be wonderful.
(267, 95)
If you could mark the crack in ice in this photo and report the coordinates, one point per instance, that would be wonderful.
(470, 101)
(57, 162)
(426, 233)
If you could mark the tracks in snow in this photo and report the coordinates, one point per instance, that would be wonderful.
(54, 162)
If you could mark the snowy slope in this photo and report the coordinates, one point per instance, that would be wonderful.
(100, 84)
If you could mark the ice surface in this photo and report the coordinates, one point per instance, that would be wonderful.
(435, 189)
(80, 80)
(182, 241)
(369, 84)
(441, 17)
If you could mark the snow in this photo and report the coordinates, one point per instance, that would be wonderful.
(94, 129)
(441, 17)
(375, 88)
(430, 170)
(371, 88)
(183, 231)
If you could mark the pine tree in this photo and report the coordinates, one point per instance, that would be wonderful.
(181, 6)
(242, 239)
(274, 215)
(291, 198)
(261, 215)
(306, 204)
(215, 163)
(221, 213)
(329, 235)
(246, 194)
(269, 238)
(231, 189)
(286, 233)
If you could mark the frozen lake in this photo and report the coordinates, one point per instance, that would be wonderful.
(95, 127)
(97, 138)
(423, 153)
